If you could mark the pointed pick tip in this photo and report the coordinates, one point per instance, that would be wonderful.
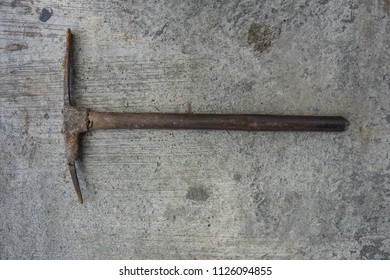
(75, 180)
(80, 198)
(79, 195)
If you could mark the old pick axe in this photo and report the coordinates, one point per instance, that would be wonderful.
(78, 120)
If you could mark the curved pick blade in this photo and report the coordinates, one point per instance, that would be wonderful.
(70, 130)
(73, 174)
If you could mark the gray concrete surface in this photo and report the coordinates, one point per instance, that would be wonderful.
(197, 194)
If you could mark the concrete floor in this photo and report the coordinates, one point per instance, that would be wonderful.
(197, 194)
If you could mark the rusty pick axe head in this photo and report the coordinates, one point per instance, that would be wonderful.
(76, 120)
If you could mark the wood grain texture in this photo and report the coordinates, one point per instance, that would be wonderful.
(196, 194)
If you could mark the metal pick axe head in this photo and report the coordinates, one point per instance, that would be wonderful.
(75, 120)
(78, 120)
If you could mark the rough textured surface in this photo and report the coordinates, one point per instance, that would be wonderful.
(194, 194)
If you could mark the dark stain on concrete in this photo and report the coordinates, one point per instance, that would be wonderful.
(14, 3)
(172, 213)
(349, 19)
(197, 194)
(379, 178)
(388, 119)
(45, 14)
(161, 30)
(372, 252)
(351, 16)
(22, 6)
(261, 36)
(263, 213)
(237, 177)
(244, 85)
(386, 6)
(16, 47)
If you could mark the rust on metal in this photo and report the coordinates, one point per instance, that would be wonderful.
(75, 120)
(246, 122)
(79, 120)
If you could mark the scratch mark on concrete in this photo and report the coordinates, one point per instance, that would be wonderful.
(31, 155)
(16, 47)
(26, 123)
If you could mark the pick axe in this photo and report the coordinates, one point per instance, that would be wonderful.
(78, 120)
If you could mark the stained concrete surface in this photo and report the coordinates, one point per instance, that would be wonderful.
(197, 194)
